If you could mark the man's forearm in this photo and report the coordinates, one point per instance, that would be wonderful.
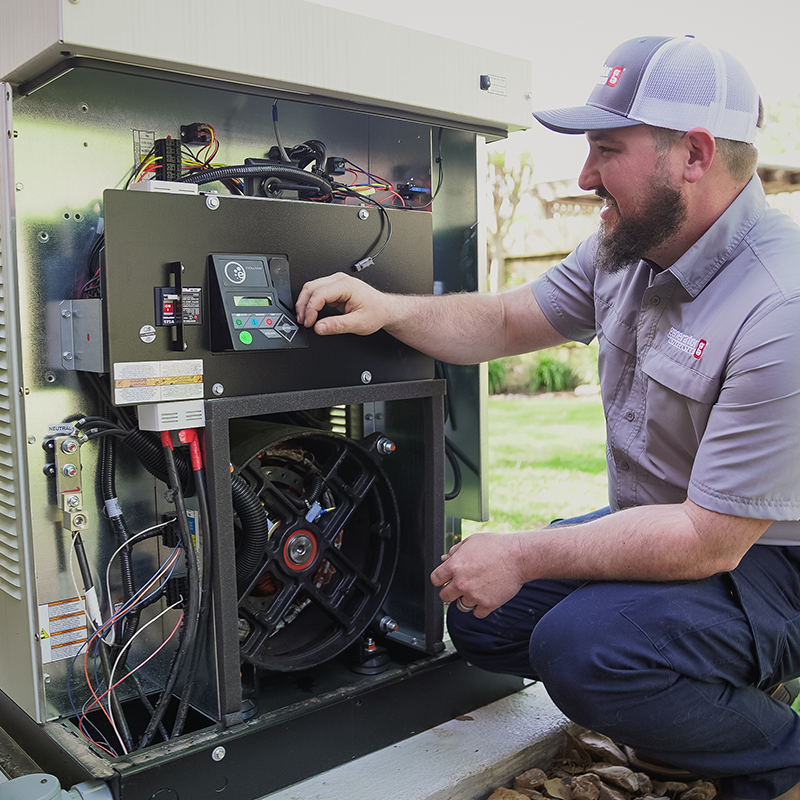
(647, 543)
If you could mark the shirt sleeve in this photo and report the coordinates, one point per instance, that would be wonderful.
(565, 293)
(748, 462)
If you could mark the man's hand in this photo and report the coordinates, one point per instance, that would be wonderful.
(364, 310)
(483, 571)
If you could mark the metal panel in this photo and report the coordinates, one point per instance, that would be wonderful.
(460, 266)
(18, 669)
(147, 232)
(444, 85)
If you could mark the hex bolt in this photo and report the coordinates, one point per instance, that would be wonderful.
(66, 313)
(212, 202)
(363, 213)
(366, 376)
(218, 753)
(31, 440)
(66, 355)
(69, 446)
(69, 470)
(385, 446)
(19, 187)
(73, 501)
(218, 389)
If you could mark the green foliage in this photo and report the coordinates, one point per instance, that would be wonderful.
(551, 375)
(497, 376)
(557, 369)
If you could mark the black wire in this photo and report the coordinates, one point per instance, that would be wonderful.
(384, 213)
(116, 706)
(188, 641)
(440, 162)
(457, 483)
(204, 537)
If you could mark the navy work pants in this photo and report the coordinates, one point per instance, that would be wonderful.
(674, 670)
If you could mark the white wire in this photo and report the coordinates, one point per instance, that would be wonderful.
(111, 561)
(130, 642)
(159, 572)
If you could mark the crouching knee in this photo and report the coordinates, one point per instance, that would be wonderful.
(590, 676)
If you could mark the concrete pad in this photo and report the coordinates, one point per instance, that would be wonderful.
(463, 759)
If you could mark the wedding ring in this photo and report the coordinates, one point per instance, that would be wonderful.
(461, 607)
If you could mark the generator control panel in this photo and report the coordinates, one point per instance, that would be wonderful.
(252, 305)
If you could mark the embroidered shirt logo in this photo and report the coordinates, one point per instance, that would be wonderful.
(686, 343)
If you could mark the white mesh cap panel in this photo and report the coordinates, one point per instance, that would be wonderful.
(688, 85)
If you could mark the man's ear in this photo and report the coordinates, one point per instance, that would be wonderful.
(699, 149)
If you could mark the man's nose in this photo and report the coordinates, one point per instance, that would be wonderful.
(589, 179)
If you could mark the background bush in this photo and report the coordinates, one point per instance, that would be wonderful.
(557, 369)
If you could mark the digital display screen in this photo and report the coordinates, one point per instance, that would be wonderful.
(241, 300)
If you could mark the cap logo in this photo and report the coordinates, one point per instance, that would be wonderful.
(614, 76)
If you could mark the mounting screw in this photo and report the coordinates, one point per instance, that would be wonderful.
(363, 214)
(218, 753)
(218, 389)
(44, 236)
(366, 376)
(19, 187)
(69, 446)
(31, 440)
(66, 313)
(73, 501)
(66, 355)
(46, 677)
(69, 470)
(212, 202)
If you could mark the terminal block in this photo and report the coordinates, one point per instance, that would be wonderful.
(168, 159)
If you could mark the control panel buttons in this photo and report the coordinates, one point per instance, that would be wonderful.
(245, 337)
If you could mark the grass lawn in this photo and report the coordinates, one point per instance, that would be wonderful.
(546, 460)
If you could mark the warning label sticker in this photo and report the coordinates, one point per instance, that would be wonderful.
(157, 381)
(62, 629)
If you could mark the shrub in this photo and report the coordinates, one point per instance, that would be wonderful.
(497, 376)
(551, 375)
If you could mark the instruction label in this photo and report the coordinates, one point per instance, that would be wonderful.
(158, 381)
(62, 629)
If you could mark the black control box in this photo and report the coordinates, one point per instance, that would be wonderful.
(252, 306)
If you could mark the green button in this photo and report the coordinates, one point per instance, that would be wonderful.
(238, 321)
(245, 337)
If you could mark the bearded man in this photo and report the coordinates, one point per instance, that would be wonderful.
(662, 620)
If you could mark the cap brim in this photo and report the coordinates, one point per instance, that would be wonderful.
(580, 119)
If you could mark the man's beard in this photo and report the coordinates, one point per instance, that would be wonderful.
(633, 237)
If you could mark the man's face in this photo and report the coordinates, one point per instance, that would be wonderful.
(644, 207)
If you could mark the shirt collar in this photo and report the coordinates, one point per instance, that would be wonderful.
(698, 265)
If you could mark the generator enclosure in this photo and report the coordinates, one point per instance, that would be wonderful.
(216, 526)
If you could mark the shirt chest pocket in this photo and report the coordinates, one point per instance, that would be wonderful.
(684, 379)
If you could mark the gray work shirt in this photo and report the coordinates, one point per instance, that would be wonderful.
(699, 366)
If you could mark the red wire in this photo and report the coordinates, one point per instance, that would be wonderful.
(98, 700)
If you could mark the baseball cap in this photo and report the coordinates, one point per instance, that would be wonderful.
(669, 82)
